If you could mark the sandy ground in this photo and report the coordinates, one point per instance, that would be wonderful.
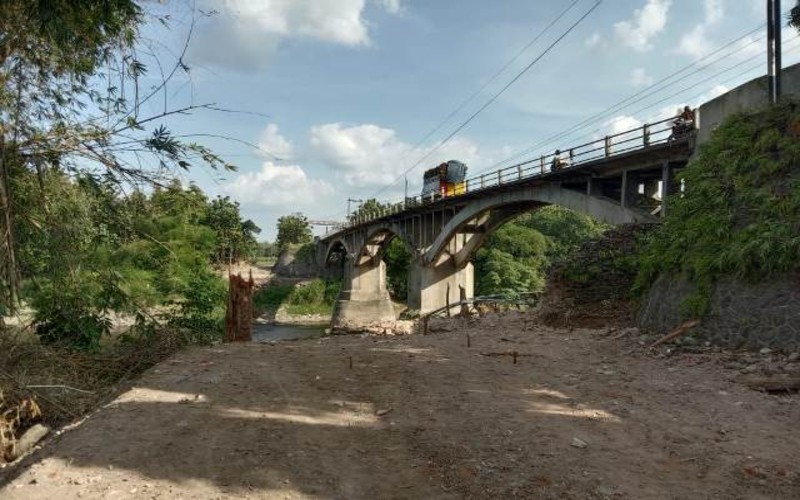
(580, 415)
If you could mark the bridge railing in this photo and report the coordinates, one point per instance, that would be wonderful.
(647, 135)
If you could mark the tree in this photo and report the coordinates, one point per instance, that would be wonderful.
(369, 208)
(293, 230)
(235, 238)
(794, 16)
(70, 102)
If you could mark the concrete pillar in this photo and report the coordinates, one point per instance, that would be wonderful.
(433, 287)
(630, 188)
(364, 298)
(666, 186)
(594, 187)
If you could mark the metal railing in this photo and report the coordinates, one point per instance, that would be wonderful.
(648, 135)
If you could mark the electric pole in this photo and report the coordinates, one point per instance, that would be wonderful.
(348, 204)
(774, 62)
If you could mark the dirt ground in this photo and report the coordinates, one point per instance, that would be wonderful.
(582, 414)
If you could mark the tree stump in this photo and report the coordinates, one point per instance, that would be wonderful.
(239, 315)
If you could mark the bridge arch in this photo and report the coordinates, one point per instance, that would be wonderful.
(482, 216)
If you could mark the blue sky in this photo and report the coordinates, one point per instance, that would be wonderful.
(338, 94)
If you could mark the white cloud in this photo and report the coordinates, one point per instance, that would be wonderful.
(391, 6)
(640, 78)
(369, 155)
(243, 34)
(695, 43)
(646, 23)
(715, 10)
(619, 124)
(276, 186)
(273, 144)
(594, 40)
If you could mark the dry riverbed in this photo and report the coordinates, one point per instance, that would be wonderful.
(581, 414)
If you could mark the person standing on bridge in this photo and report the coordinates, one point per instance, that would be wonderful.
(557, 162)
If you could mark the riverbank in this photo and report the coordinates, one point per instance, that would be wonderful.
(454, 414)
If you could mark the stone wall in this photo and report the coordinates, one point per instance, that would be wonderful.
(741, 315)
(297, 262)
(592, 286)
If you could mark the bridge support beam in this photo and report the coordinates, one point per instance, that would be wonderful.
(364, 298)
(434, 287)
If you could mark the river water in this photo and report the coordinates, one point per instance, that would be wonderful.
(276, 331)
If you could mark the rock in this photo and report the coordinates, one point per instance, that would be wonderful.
(750, 368)
(765, 351)
(793, 356)
(29, 440)
(383, 412)
(605, 491)
(579, 443)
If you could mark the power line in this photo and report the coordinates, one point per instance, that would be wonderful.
(493, 77)
(650, 90)
(494, 97)
(734, 77)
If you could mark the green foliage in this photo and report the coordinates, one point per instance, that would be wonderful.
(739, 213)
(565, 229)
(312, 297)
(293, 230)
(512, 261)
(87, 250)
(202, 308)
(235, 238)
(398, 260)
(515, 258)
(370, 208)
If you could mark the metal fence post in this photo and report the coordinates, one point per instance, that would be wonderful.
(483, 181)
(608, 146)
(646, 134)
(499, 177)
(519, 172)
(542, 163)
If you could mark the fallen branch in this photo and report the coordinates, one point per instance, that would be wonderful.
(774, 383)
(675, 333)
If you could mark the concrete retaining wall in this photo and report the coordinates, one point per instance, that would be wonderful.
(742, 315)
(747, 97)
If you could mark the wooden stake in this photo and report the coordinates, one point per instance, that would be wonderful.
(351, 362)
(468, 341)
(514, 354)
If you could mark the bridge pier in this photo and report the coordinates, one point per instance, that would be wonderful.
(433, 287)
(364, 298)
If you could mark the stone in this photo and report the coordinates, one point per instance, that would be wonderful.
(793, 357)
(578, 443)
(765, 351)
(751, 368)
(29, 440)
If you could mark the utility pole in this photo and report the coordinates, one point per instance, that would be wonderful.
(774, 62)
(776, 17)
(348, 204)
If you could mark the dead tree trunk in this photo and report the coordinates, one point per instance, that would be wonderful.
(239, 316)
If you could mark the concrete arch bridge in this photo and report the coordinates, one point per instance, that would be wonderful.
(617, 179)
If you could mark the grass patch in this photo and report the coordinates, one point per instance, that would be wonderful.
(739, 214)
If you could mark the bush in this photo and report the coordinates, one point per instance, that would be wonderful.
(739, 213)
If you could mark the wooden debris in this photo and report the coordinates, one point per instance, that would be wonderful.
(685, 327)
(773, 383)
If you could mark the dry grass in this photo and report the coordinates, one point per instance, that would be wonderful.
(55, 385)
